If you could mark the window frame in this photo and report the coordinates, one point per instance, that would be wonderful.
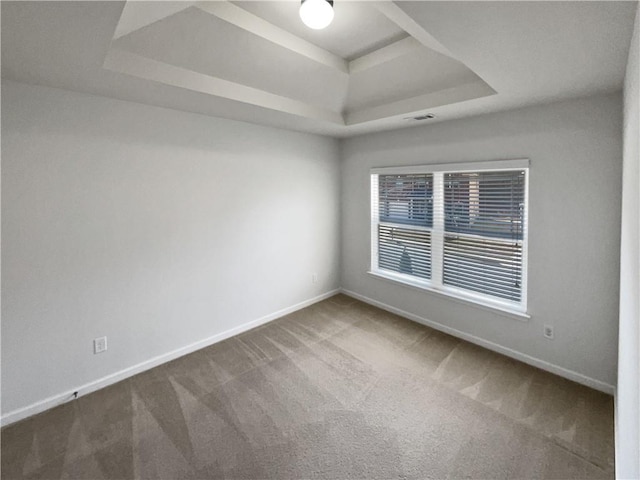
(435, 284)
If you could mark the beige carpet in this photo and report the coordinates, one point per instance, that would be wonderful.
(337, 390)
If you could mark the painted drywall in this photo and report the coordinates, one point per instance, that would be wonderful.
(575, 148)
(628, 393)
(153, 227)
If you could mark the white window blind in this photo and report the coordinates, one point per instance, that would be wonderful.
(405, 200)
(459, 231)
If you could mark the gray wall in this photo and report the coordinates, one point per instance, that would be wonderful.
(628, 394)
(574, 219)
(153, 227)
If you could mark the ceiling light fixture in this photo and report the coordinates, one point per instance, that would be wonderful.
(316, 14)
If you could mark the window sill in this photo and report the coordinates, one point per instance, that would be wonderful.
(478, 303)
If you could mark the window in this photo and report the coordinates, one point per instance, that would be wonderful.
(456, 229)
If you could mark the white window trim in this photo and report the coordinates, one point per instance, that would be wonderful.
(435, 284)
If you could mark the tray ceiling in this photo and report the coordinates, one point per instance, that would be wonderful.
(377, 64)
(373, 62)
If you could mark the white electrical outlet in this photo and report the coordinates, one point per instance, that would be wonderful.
(314, 278)
(548, 332)
(100, 345)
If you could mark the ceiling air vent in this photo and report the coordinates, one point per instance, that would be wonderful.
(426, 116)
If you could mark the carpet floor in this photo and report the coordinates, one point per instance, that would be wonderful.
(338, 390)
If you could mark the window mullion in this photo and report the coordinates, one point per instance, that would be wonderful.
(437, 241)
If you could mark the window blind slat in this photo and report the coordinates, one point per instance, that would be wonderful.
(406, 199)
(485, 203)
(484, 266)
(405, 251)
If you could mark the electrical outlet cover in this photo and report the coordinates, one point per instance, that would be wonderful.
(99, 345)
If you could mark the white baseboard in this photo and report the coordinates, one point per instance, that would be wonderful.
(536, 362)
(55, 400)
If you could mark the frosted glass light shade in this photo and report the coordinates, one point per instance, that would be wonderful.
(316, 14)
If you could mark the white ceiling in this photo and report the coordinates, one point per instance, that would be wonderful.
(191, 39)
(378, 63)
(405, 76)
